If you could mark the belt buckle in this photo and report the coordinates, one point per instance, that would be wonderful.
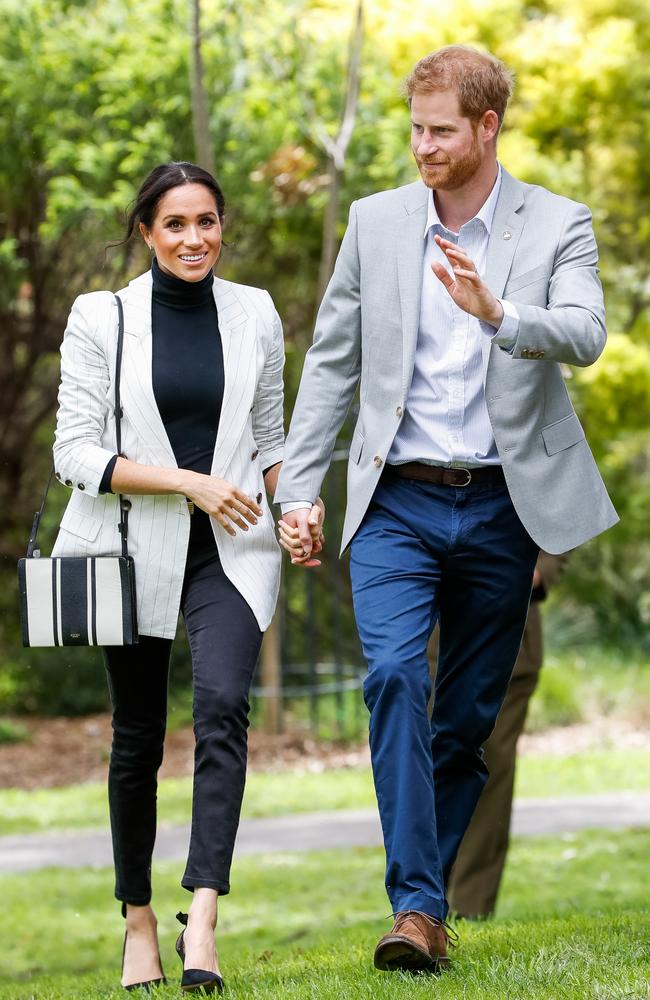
(468, 480)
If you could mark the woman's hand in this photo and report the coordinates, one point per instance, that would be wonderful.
(223, 501)
(301, 534)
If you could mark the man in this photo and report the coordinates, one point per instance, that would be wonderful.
(454, 300)
(476, 875)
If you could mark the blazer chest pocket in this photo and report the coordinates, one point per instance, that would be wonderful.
(562, 434)
(519, 281)
(81, 525)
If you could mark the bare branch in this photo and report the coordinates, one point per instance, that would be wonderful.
(336, 150)
(354, 82)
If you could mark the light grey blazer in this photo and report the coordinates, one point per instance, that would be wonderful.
(542, 256)
(250, 439)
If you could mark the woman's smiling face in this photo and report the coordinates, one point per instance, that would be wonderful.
(186, 232)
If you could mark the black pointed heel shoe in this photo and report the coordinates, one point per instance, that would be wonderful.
(148, 984)
(194, 980)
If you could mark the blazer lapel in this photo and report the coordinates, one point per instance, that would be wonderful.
(239, 344)
(410, 256)
(136, 386)
(505, 233)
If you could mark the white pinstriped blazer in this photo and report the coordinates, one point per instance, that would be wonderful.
(250, 438)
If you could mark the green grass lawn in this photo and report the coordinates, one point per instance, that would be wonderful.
(81, 806)
(571, 925)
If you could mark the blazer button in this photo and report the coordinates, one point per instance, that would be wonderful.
(399, 411)
(259, 498)
(540, 354)
(525, 353)
(81, 486)
(58, 475)
(254, 455)
(68, 482)
(378, 461)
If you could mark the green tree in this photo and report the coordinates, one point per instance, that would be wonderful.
(94, 93)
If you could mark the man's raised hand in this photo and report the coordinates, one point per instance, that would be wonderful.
(465, 285)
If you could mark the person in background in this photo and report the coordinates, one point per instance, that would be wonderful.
(476, 875)
(202, 442)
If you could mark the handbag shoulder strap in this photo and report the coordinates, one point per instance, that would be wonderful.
(124, 504)
(31, 545)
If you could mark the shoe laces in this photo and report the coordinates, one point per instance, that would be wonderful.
(450, 933)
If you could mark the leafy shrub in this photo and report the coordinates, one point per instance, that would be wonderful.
(13, 732)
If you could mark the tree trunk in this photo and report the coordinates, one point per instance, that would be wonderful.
(336, 153)
(329, 244)
(200, 113)
(271, 677)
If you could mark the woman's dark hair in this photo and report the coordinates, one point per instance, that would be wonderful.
(159, 182)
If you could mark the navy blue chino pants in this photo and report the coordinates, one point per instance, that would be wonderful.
(426, 551)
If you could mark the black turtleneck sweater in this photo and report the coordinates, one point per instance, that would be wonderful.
(187, 371)
(187, 366)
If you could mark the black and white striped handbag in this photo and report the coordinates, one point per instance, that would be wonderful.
(80, 601)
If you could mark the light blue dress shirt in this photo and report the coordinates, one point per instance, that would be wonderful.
(446, 420)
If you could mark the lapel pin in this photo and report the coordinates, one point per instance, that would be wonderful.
(507, 235)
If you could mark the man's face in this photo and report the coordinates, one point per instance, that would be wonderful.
(446, 146)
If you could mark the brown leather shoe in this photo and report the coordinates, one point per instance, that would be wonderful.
(417, 943)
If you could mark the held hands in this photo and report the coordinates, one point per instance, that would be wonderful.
(465, 286)
(223, 501)
(301, 534)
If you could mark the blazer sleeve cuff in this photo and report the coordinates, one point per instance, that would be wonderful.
(83, 469)
(271, 457)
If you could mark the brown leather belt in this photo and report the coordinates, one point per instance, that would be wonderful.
(486, 474)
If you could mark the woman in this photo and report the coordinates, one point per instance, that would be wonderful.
(202, 437)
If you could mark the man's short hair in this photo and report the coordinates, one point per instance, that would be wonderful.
(482, 82)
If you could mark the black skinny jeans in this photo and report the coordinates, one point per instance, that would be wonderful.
(224, 641)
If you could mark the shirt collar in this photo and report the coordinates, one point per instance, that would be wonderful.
(485, 213)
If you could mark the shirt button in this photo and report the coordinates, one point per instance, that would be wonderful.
(399, 411)
(378, 461)
(254, 455)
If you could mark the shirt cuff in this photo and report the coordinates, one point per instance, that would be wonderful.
(105, 485)
(505, 335)
(296, 505)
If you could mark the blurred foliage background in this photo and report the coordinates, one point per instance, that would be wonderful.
(94, 93)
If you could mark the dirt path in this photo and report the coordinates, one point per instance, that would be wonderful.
(69, 751)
